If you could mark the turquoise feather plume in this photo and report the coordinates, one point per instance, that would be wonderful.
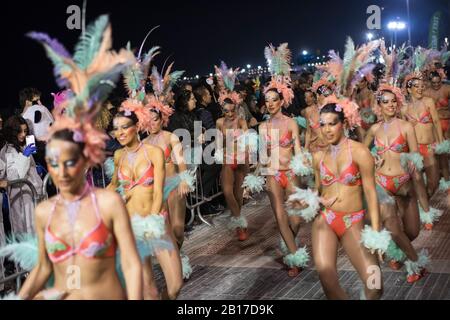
(90, 42)
(22, 249)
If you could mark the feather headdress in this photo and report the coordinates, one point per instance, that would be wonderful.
(163, 85)
(350, 109)
(353, 68)
(91, 75)
(153, 103)
(390, 77)
(226, 79)
(138, 108)
(278, 61)
(417, 64)
(136, 74)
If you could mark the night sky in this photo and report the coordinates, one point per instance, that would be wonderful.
(198, 34)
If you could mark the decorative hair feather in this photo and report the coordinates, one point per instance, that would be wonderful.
(350, 109)
(226, 79)
(91, 74)
(279, 64)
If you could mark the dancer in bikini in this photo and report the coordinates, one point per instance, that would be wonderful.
(179, 181)
(286, 159)
(139, 177)
(314, 141)
(80, 229)
(421, 112)
(344, 176)
(365, 99)
(231, 129)
(394, 139)
(440, 93)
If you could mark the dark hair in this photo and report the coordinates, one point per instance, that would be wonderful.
(312, 92)
(27, 94)
(199, 92)
(157, 112)
(11, 130)
(67, 135)
(331, 108)
(181, 102)
(276, 91)
(434, 74)
(228, 101)
(132, 116)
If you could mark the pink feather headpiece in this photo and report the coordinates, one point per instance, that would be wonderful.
(409, 79)
(350, 109)
(278, 62)
(382, 88)
(233, 96)
(83, 131)
(165, 110)
(282, 86)
(324, 81)
(142, 113)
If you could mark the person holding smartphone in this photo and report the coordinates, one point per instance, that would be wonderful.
(17, 156)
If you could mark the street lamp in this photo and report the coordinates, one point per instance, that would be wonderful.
(249, 66)
(369, 36)
(304, 52)
(395, 26)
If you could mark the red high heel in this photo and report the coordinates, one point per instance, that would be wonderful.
(395, 265)
(416, 277)
(428, 226)
(294, 271)
(242, 234)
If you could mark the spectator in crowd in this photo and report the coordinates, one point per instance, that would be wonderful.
(203, 98)
(243, 109)
(39, 119)
(19, 164)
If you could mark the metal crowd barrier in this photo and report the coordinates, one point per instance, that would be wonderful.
(197, 198)
(17, 275)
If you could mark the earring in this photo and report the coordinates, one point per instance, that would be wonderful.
(346, 132)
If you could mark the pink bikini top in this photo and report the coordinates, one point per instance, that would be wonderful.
(286, 141)
(98, 243)
(350, 176)
(442, 103)
(146, 178)
(399, 145)
(424, 118)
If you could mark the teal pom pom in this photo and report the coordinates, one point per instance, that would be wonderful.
(109, 167)
(23, 250)
(301, 122)
(298, 259)
(254, 183)
(394, 253)
(443, 147)
(310, 198)
(239, 222)
(415, 267)
(415, 158)
(444, 185)
(301, 164)
(375, 240)
(186, 266)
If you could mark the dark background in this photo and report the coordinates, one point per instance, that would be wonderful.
(198, 34)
